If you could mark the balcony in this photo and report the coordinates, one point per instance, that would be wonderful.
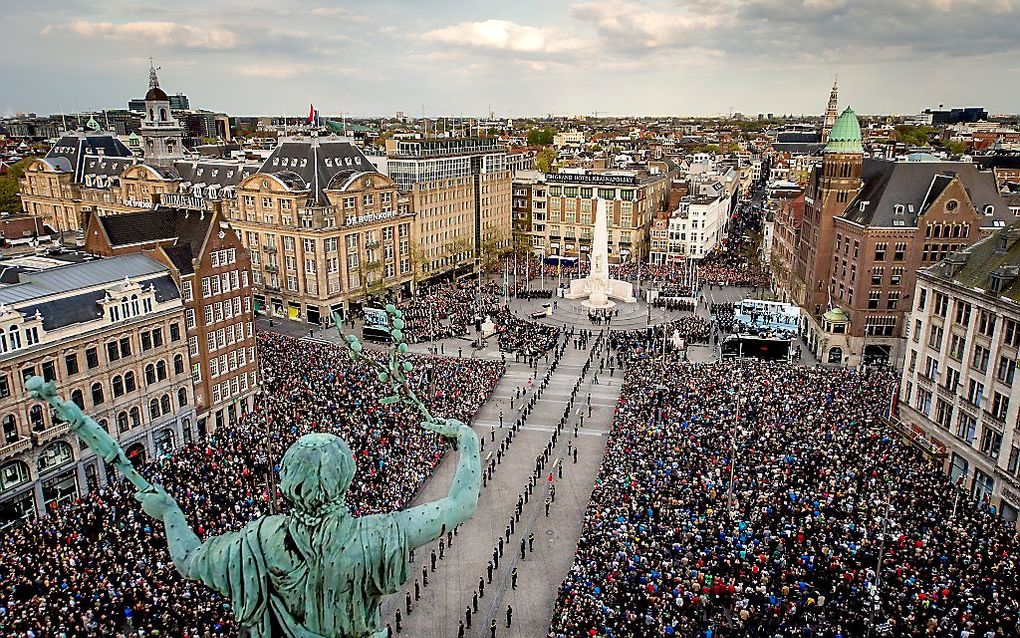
(269, 249)
(272, 268)
(17, 447)
(949, 393)
(50, 433)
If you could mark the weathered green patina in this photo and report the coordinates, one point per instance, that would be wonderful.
(316, 571)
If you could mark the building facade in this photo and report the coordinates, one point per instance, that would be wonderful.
(212, 269)
(632, 199)
(868, 226)
(111, 333)
(963, 345)
(459, 190)
(324, 229)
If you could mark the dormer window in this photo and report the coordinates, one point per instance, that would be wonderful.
(127, 301)
(989, 210)
(952, 205)
(898, 209)
(997, 283)
(17, 332)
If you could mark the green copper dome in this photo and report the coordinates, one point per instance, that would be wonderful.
(845, 136)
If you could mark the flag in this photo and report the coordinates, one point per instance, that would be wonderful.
(313, 115)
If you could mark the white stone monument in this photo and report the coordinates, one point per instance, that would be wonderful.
(597, 289)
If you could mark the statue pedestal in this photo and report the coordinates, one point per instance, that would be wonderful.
(619, 290)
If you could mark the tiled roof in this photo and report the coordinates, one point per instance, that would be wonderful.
(982, 259)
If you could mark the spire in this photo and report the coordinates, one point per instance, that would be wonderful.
(153, 78)
(831, 110)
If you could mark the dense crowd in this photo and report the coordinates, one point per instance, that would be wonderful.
(99, 567)
(525, 337)
(821, 491)
(630, 345)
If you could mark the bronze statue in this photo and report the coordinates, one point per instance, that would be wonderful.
(316, 571)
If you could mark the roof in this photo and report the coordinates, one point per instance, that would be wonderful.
(156, 94)
(222, 173)
(845, 136)
(182, 230)
(75, 148)
(80, 276)
(914, 186)
(998, 252)
(311, 163)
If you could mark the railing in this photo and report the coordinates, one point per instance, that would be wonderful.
(917, 439)
(14, 448)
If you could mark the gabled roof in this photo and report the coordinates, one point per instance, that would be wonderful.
(76, 147)
(182, 231)
(313, 162)
(915, 185)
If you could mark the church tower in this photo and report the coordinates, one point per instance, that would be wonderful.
(835, 184)
(162, 135)
(831, 111)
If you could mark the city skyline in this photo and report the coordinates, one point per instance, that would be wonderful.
(636, 57)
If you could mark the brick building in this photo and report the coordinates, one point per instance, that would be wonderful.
(213, 272)
(868, 226)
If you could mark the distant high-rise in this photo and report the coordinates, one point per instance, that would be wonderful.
(831, 112)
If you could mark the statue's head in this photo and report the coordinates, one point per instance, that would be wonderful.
(316, 472)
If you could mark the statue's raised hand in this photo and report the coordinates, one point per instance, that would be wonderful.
(156, 503)
(446, 428)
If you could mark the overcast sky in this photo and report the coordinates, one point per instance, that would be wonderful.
(520, 57)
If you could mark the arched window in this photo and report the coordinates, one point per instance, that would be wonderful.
(3, 341)
(129, 381)
(152, 114)
(161, 370)
(134, 306)
(154, 409)
(97, 393)
(118, 386)
(124, 307)
(182, 397)
(150, 374)
(10, 429)
(162, 115)
(178, 364)
(78, 398)
(36, 418)
(12, 475)
(55, 455)
(136, 417)
(122, 422)
(103, 423)
(164, 404)
(15, 338)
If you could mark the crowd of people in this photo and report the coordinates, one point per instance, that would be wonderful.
(100, 567)
(763, 499)
(647, 343)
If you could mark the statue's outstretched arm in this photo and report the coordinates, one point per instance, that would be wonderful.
(181, 540)
(427, 522)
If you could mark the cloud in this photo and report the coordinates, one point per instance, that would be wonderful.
(274, 71)
(503, 35)
(633, 25)
(159, 33)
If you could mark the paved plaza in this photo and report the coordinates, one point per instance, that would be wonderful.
(443, 603)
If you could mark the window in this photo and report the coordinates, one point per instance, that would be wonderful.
(154, 409)
(36, 418)
(49, 371)
(922, 298)
(175, 332)
(986, 323)
(178, 364)
(1011, 333)
(991, 442)
(112, 352)
(874, 296)
(941, 304)
(125, 347)
(876, 276)
(893, 300)
(952, 379)
(150, 374)
(966, 427)
(10, 429)
(1006, 369)
(975, 392)
(899, 251)
(71, 364)
(161, 370)
(931, 368)
(957, 345)
(880, 250)
(1000, 405)
(935, 338)
(182, 398)
(97, 393)
(130, 385)
(962, 317)
(118, 386)
(980, 360)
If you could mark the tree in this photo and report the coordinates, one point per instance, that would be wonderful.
(914, 135)
(545, 159)
(956, 147)
(540, 137)
(10, 187)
